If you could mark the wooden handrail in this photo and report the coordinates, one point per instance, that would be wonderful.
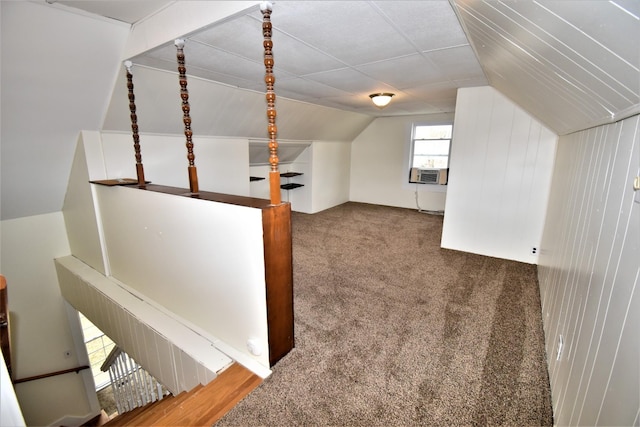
(52, 374)
(5, 327)
(113, 355)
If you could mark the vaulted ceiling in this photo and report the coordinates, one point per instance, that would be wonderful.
(337, 53)
(571, 63)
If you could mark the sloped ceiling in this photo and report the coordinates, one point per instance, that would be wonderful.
(336, 53)
(57, 73)
(125, 11)
(571, 63)
(222, 110)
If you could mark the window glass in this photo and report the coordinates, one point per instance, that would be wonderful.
(430, 147)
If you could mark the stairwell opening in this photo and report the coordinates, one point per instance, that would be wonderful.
(98, 347)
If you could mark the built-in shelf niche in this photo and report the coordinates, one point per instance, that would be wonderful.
(288, 152)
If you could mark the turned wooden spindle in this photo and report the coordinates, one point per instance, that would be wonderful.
(134, 126)
(270, 79)
(186, 118)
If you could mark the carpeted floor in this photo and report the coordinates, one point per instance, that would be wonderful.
(107, 401)
(391, 330)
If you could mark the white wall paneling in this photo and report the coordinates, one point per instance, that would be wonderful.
(500, 173)
(572, 64)
(167, 349)
(589, 277)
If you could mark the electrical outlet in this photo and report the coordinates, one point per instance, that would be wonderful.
(534, 250)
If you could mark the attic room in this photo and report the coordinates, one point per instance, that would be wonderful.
(544, 163)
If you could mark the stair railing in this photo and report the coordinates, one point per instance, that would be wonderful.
(132, 386)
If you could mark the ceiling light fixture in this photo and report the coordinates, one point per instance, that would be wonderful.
(381, 99)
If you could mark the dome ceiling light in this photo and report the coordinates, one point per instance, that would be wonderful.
(381, 99)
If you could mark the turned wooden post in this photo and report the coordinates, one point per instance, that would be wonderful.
(134, 126)
(186, 118)
(270, 79)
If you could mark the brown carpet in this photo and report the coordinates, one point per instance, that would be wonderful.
(392, 330)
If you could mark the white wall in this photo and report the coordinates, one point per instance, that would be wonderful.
(330, 174)
(325, 176)
(380, 165)
(41, 333)
(500, 173)
(11, 414)
(179, 253)
(202, 261)
(589, 277)
(301, 197)
(58, 69)
(222, 163)
(79, 209)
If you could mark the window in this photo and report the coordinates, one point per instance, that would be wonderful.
(98, 348)
(430, 146)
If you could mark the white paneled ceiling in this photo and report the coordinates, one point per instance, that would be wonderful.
(336, 53)
(572, 63)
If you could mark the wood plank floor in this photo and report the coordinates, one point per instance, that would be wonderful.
(202, 406)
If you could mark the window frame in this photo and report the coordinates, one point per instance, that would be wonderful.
(412, 144)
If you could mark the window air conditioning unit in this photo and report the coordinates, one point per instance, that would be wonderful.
(428, 176)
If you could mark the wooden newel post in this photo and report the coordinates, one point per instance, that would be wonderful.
(272, 129)
(134, 126)
(186, 118)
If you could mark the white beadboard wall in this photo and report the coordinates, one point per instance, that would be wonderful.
(500, 173)
(174, 354)
(589, 270)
